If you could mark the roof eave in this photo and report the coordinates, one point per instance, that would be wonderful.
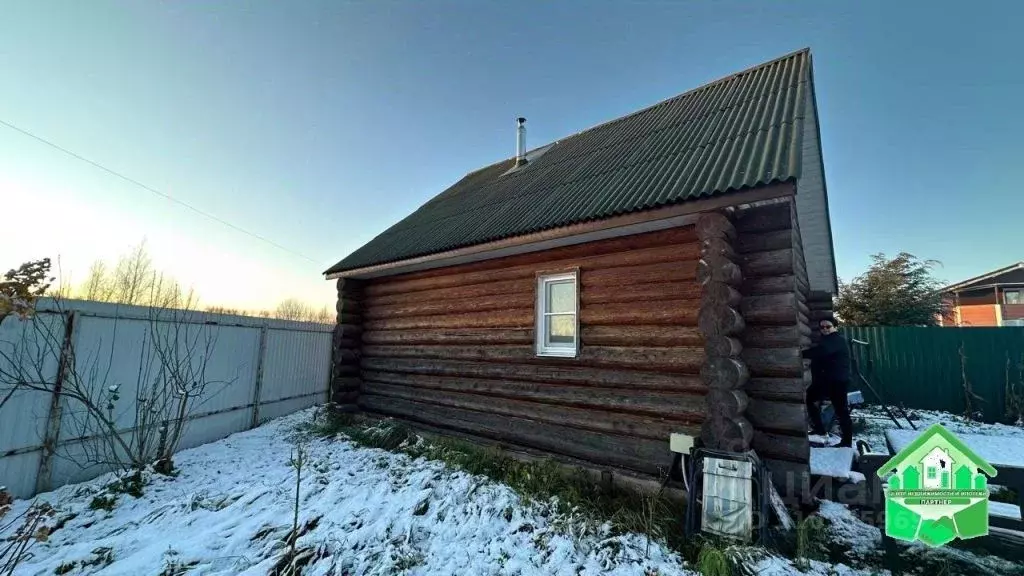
(966, 284)
(437, 260)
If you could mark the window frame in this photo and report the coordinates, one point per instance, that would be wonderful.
(1019, 294)
(541, 349)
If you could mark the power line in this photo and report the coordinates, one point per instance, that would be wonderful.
(155, 191)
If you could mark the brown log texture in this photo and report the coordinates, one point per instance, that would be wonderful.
(346, 343)
(454, 348)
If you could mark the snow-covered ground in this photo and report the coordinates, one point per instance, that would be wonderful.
(874, 421)
(365, 511)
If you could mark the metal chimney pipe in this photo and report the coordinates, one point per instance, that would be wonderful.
(520, 141)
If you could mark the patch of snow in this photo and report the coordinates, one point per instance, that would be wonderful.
(848, 530)
(875, 421)
(997, 450)
(834, 462)
(1004, 509)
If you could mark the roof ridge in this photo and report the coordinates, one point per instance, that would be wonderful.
(705, 86)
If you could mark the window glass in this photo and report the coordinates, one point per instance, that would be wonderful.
(556, 315)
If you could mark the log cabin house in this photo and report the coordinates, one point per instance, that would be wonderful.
(657, 273)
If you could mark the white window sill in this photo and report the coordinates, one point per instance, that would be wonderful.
(557, 353)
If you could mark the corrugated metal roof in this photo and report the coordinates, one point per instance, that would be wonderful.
(739, 132)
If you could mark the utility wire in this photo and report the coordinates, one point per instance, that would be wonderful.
(155, 191)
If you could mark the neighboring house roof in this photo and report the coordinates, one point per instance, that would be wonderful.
(737, 133)
(988, 276)
(897, 460)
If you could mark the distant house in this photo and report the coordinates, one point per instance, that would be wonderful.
(657, 273)
(992, 299)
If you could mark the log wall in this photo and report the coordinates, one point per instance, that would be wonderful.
(774, 308)
(346, 344)
(454, 348)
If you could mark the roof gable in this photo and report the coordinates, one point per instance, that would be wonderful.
(990, 278)
(737, 133)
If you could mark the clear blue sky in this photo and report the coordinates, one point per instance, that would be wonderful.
(319, 124)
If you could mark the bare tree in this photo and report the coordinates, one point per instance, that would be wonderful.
(291, 309)
(171, 380)
(133, 280)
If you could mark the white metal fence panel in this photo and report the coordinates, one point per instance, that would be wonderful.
(254, 369)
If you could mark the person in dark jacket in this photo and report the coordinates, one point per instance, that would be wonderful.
(830, 378)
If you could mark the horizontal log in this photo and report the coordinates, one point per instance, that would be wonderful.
(343, 356)
(783, 284)
(792, 448)
(716, 320)
(667, 237)
(348, 318)
(344, 396)
(490, 394)
(345, 304)
(431, 307)
(619, 378)
(340, 370)
(634, 275)
(771, 263)
(724, 373)
(781, 362)
(350, 289)
(765, 241)
(663, 312)
(718, 270)
(817, 316)
(722, 346)
(676, 359)
(726, 403)
(643, 455)
(820, 304)
(717, 248)
(679, 290)
(598, 420)
(730, 434)
(721, 294)
(524, 285)
(794, 335)
(764, 218)
(509, 318)
(453, 277)
(451, 336)
(345, 383)
(771, 309)
(714, 225)
(786, 389)
(780, 416)
(347, 330)
(641, 335)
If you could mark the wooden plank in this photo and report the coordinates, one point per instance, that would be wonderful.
(667, 237)
(781, 362)
(589, 261)
(509, 318)
(632, 424)
(644, 455)
(665, 312)
(451, 336)
(641, 335)
(781, 446)
(687, 407)
(679, 290)
(553, 372)
(779, 416)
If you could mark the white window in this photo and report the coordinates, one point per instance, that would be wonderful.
(557, 312)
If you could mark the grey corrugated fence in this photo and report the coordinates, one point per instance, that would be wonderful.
(261, 368)
(932, 368)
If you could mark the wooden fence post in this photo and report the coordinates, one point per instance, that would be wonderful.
(258, 387)
(51, 435)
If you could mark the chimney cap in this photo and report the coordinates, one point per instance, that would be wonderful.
(521, 120)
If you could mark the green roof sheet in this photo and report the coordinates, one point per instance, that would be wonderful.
(736, 133)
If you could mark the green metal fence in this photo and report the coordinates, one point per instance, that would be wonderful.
(926, 368)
